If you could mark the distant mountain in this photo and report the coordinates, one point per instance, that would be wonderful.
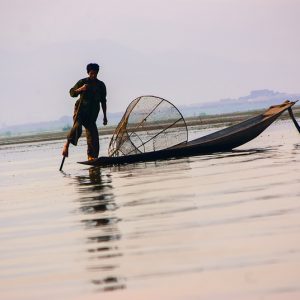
(257, 99)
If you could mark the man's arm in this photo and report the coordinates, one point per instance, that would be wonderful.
(78, 88)
(103, 106)
(103, 103)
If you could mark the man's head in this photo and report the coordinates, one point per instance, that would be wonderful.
(92, 70)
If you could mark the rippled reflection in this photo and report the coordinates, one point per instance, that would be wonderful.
(98, 208)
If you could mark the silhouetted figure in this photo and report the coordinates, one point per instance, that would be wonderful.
(92, 92)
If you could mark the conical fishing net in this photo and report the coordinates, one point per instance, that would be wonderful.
(149, 124)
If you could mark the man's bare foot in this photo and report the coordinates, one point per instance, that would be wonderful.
(65, 151)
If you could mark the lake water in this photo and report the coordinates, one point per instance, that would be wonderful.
(221, 226)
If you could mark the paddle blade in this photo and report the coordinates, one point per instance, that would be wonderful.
(62, 163)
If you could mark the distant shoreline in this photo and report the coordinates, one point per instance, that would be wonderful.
(201, 121)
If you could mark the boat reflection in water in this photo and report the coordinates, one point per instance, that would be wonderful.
(98, 209)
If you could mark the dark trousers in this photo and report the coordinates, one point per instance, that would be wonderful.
(92, 136)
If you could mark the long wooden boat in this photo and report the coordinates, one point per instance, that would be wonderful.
(222, 140)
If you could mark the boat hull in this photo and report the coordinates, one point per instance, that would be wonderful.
(223, 140)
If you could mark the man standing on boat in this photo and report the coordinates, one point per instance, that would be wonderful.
(92, 92)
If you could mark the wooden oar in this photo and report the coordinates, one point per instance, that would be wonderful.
(62, 163)
(75, 119)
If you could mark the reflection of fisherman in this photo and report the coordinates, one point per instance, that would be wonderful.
(96, 196)
(92, 92)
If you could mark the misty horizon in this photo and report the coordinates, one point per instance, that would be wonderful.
(255, 100)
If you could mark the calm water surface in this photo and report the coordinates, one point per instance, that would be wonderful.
(222, 226)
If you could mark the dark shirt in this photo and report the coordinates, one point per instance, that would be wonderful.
(89, 101)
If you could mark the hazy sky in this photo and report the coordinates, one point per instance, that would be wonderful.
(186, 51)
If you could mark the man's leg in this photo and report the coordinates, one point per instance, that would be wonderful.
(72, 138)
(92, 138)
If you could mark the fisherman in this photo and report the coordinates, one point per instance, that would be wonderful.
(92, 92)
